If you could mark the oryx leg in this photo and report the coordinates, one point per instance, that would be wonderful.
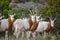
(23, 34)
(28, 34)
(16, 32)
(34, 34)
(45, 34)
(6, 35)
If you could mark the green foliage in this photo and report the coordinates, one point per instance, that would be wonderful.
(44, 10)
(54, 4)
(17, 11)
(4, 5)
(5, 13)
(3, 2)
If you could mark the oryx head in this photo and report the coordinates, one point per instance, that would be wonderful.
(37, 18)
(11, 16)
(52, 21)
(33, 17)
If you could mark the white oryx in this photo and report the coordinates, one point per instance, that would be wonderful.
(43, 26)
(21, 25)
(33, 27)
(5, 25)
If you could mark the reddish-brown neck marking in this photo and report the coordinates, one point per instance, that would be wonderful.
(30, 22)
(10, 22)
(48, 28)
(34, 26)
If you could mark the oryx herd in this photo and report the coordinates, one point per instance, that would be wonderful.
(30, 26)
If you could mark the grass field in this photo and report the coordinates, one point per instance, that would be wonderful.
(48, 37)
